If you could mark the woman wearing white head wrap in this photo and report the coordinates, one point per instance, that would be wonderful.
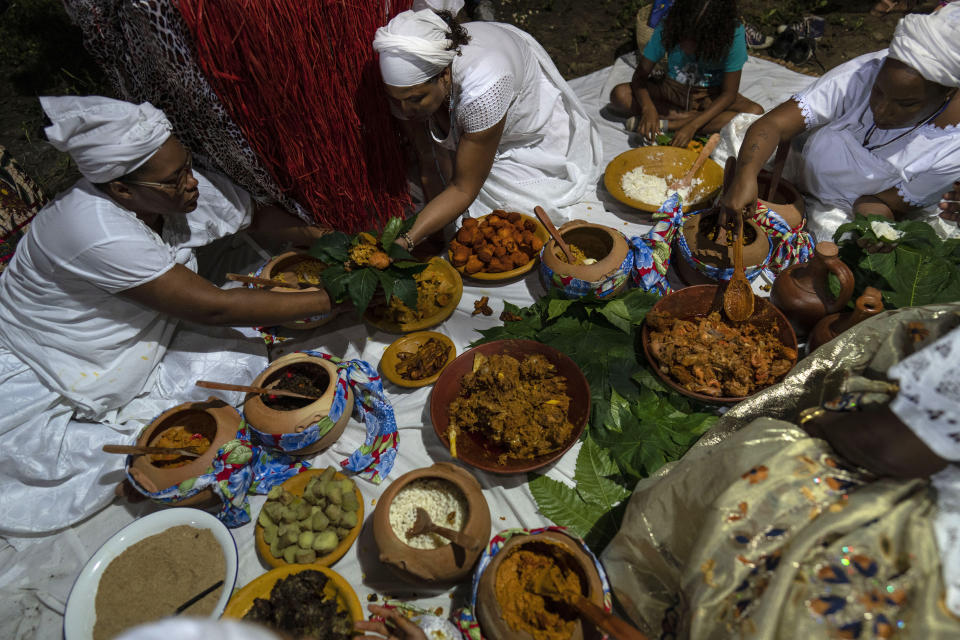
(883, 136)
(493, 122)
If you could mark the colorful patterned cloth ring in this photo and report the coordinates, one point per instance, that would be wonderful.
(375, 458)
(466, 620)
(576, 288)
(271, 335)
(238, 469)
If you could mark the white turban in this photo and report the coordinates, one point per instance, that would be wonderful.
(198, 629)
(930, 44)
(106, 138)
(413, 48)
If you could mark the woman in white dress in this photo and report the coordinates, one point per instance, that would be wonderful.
(884, 137)
(493, 122)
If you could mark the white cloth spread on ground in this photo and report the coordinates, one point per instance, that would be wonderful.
(550, 152)
(929, 403)
(81, 366)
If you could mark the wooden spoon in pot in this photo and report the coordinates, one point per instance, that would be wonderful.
(223, 386)
(139, 451)
(738, 296)
(552, 230)
(701, 158)
(423, 524)
(619, 629)
(263, 282)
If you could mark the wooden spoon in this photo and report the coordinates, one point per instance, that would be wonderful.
(423, 524)
(552, 230)
(263, 282)
(619, 629)
(705, 152)
(193, 452)
(738, 297)
(778, 163)
(223, 386)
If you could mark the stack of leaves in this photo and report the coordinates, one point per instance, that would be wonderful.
(907, 261)
(636, 424)
(360, 264)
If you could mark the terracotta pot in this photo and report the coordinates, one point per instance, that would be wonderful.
(214, 419)
(281, 267)
(869, 304)
(802, 291)
(278, 422)
(605, 245)
(448, 563)
(787, 201)
(489, 612)
(695, 231)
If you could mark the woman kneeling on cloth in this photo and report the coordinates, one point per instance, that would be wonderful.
(492, 121)
(883, 129)
(803, 514)
(90, 350)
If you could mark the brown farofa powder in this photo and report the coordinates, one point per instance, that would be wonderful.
(524, 610)
(152, 578)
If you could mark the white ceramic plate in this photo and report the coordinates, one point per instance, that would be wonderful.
(81, 611)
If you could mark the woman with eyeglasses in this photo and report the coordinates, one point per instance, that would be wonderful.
(883, 130)
(102, 311)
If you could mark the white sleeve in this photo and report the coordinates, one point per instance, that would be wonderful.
(929, 398)
(935, 173)
(842, 88)
(488, 107)
(116, 265)
(224, 208)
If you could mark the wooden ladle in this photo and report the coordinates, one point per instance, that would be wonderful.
(619, 629)
(705, 152)
(738, 297)
(423, 524)
(223, 386)
(552, 230)
(139, 451)
(263, 282)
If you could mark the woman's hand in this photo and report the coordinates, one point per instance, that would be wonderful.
(742, 194)
(649, 123)
(950, 206)
(683, 136)
(394, 626)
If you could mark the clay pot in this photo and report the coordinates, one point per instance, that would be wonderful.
(605, 245)
(696, 230)
(450, 562)
(489, 612)
(869, 304)
(787, 201)
(281, 267)
(802, 291)
(278, 422)
(214, 419)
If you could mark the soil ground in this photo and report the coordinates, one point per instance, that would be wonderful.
(41, 53)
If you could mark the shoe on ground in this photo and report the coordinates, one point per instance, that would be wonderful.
(783, 44)
(810, 27)
(801, 51)
(756, 39)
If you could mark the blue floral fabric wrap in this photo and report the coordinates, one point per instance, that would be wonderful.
(576, 288)
(239, 468)
(376, 457)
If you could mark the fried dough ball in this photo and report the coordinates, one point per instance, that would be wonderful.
(473, 265)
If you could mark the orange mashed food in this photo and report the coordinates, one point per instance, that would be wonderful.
(518, 579)
(177, 438)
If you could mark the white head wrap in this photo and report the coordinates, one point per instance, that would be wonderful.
(198, 629)
(106, 138)
(413, 48)
(930, 44)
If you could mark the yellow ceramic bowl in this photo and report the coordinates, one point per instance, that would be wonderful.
(410, 343)
(540, 232)
(663, 161)
(296, 485)
(444, 312)
(260, 587)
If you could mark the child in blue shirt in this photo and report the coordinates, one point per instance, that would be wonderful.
(705, 47)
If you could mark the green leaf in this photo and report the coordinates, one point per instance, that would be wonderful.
(390, 232)
(556, 308)
(332, 248)
(396, 252)
(564, 506)
(406, 290)
(387, 282)
(594, 467)
(335, 281)
(617, 314)
(619, 411)
(361, 285)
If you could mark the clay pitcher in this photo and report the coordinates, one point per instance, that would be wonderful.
(802, 291)
(606, 246)
(869, 304)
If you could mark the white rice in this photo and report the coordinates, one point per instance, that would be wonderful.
(442, 500)
(652, 189)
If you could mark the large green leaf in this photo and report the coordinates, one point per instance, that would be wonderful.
(593, 471)
(390, 232)
(361, 285)
(406, 290)
(561, 504)
(335, 279)
(332, 248)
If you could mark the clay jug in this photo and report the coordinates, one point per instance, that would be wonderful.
(870, 303)
(605, 245)
(787, 201)
(802, 291)
(283, 267)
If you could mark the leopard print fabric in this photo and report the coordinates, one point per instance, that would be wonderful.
(144, 47)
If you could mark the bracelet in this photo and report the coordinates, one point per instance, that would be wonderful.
(406, 238)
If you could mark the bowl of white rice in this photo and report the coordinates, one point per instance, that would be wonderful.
(452, 498)
(641, 177)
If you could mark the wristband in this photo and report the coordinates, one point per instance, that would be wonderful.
(406, 238)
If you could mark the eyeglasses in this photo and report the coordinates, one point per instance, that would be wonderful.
(178, 184)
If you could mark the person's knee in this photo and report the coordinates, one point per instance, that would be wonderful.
(621, 97)
(754, 109)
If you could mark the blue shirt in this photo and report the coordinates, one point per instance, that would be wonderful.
(690, 70)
